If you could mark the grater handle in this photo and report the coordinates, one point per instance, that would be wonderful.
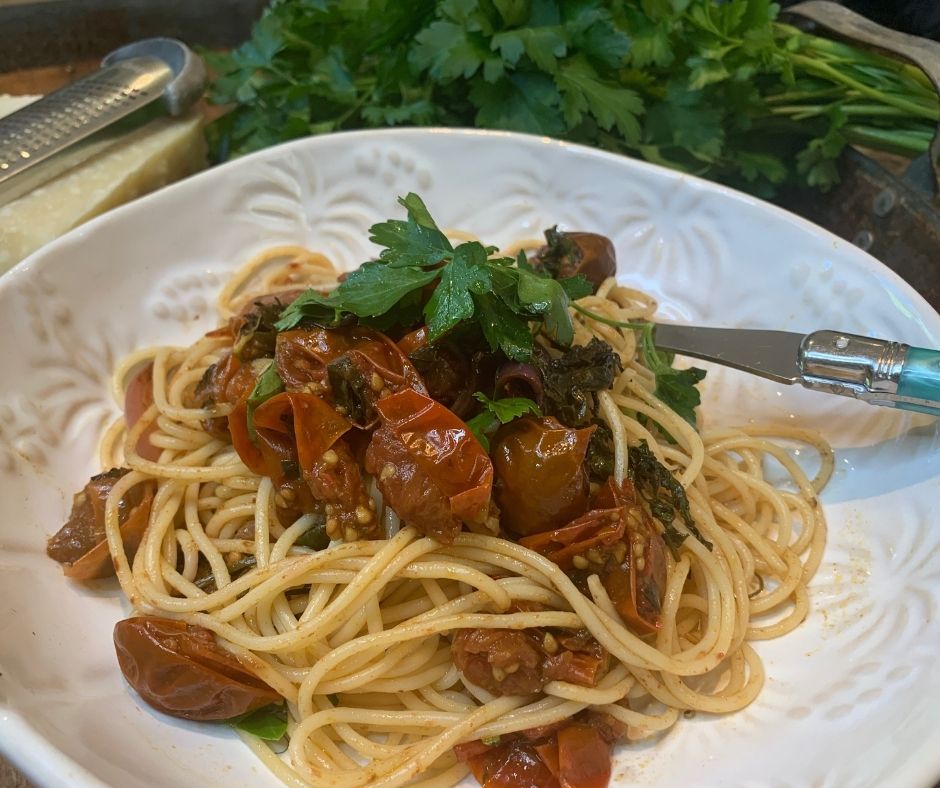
(58, 132)
(189, 72)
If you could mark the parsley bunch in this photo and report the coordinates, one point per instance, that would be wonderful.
(718, 89)
(501, 295)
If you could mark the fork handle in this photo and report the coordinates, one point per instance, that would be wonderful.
(920, 380)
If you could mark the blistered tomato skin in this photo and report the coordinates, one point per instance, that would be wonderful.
(430, 468)
(81, 545)
(180, 669)
(543, 455)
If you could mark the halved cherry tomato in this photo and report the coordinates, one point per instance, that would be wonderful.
(598, 528)
(573, 253)
(632, 553)
(274, 450)
(352, 365)
(226, 382)
(298, 428)
(573, 754)
(81, 546)
(179, 669)
(431, 469)
(513, 765)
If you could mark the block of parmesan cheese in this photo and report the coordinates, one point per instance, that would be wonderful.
(147, 158)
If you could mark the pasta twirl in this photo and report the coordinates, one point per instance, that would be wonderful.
(357, 638)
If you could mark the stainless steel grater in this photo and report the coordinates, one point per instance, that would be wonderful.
(134, 84)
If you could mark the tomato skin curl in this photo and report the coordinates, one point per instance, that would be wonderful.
(567, 754)
(583, 757)
(429, 466)
(81, 545)
(180, 669)
(632, 554)
(137, 399)
(351, 366)
(295, 427)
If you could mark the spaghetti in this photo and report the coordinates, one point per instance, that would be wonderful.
(357, 638)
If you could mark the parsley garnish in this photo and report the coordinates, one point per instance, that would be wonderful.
(675, 387)
(497, 412)
(269, 384)
(471, 285)
(268, 723)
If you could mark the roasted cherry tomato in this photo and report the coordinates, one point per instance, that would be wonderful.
(541, 478)
(80, 545)
(227, 382)
(569, 254)
(430, 468)
(514, 765)
(137, 399)
(618, 541)
(253, 328)
(583, 757)
(569, 754)
(181, 670)
(300, 429)
(520, 662)
(353, 366)
(274, 451)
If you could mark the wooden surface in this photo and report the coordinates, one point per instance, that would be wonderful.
(11, 778)
(38, 81)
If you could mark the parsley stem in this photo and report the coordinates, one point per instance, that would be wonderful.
(909, 142)
(801, 111)
(826, 71)
(609, 320)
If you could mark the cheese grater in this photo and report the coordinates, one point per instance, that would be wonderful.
(134, 84)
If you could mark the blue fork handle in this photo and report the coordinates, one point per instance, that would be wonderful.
(920, 379)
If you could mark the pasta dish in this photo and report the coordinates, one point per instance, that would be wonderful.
(450, 513)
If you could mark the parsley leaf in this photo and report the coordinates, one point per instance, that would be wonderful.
(520, 102)
(545, 296)
(452, 300)
(503, 328)
(417, 241)
(309, 306)
(760, 93)
(268, 723)
(448, 51)
(268, 385)
(576, 287)
(473, 286)
(497, 412)
(675, 387)
(373, 289)
(611, 105)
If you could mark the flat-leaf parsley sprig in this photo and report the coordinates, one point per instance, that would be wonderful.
(502, 295)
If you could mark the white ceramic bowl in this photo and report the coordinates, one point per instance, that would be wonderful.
(852, 695)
